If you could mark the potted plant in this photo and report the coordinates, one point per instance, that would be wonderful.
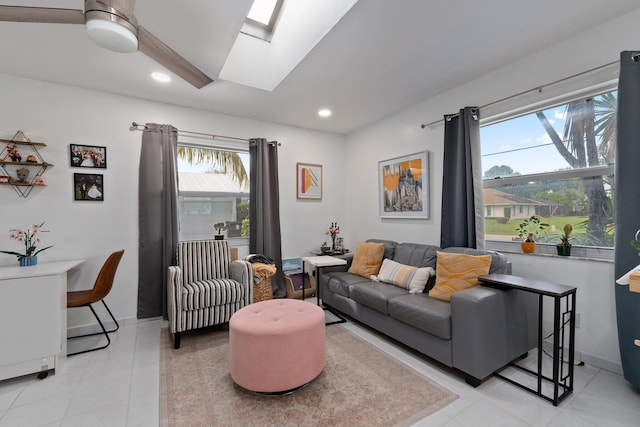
(30, 237)
(564, 247)
(528, 229)
(220, 227)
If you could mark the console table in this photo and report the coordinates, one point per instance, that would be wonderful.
(33, 308)
(564, 312)
(319, 262)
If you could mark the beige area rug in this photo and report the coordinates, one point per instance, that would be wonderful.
(360, 386)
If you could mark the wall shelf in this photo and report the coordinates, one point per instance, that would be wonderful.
(19, 154)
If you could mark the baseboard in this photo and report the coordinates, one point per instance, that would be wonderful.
(588, 358)
(95, 328)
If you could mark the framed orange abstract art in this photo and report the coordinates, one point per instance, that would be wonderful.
(404, 186)
(308, 181)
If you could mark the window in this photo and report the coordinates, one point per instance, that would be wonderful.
(556, 163)
(213, 188)
(262, 18)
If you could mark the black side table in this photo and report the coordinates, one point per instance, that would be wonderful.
(562, 377)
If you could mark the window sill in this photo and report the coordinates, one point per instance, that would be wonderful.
(546, 250)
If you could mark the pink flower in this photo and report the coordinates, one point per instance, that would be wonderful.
(30, 240)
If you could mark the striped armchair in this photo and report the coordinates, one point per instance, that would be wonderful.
(206, 287)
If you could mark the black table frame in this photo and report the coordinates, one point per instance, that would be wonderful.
(323, 306)
(562, 379)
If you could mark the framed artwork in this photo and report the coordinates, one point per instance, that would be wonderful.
(403, 186)
(88, 187)
(292, 264)
(308, 181)
(87, 156)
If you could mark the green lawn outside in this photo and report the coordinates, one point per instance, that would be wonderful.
(556, 223)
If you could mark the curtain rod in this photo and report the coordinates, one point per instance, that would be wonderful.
(538, 89)
(210, 135)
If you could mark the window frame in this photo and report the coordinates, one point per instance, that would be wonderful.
(265, 32)
(220, 146)
(594, 253)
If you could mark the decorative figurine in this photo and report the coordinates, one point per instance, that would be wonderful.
(14, 154)
(22, 175)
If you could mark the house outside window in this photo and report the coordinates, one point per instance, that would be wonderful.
(556, 163)
(210, 194)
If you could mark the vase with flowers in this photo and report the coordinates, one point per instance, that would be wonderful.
(333, 231)
(30, 238)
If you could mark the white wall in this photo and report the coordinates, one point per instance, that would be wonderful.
(59, 115)
(401, 134)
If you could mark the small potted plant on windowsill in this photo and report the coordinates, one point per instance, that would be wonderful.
(564, 247)
(220, 227)
(528, 229)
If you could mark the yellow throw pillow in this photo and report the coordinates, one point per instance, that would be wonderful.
(367, 259)
(455, 272)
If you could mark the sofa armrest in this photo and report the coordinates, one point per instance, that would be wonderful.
(242, 272)
(490, 328)
(174, 297)
(345, 267)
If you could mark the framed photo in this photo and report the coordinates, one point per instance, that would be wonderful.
(403, 186)
(87, 156)
(88, 187)
(308, 181)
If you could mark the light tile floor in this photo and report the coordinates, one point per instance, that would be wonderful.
(119, 386)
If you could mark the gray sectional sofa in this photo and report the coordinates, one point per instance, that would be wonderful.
(481, 330)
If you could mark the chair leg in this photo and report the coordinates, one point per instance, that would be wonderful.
(176, 340)
(104, 331)
(100, 333)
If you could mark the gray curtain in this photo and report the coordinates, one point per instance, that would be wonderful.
(462, 201)
(157, 217)
(627, 212)
(264, 207)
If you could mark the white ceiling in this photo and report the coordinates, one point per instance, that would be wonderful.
(381, 57)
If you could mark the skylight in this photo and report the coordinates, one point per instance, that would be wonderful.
(262, 11)
(262, 18)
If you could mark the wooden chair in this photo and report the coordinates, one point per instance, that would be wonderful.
(100, 290)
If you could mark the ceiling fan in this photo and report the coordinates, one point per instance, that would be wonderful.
(111, 24)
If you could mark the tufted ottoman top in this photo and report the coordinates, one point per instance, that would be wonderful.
(276, 317)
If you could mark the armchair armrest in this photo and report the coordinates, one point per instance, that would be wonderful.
(174, 296)
(242, 271)
(490, 328)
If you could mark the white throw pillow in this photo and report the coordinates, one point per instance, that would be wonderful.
(405, 276)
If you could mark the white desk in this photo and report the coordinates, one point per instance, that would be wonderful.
(33, 315)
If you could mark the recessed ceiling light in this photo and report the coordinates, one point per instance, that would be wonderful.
(161, 77)
(324, 113)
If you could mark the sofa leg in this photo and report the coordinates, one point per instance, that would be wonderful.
(472, 381)
(176, 340)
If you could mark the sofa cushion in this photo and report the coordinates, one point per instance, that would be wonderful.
(367, 259)
(427, 314)
(340, 281)
(499, 261)
(375, 295)
(416, 255)
(412, 278)
(210, 293)
(389, 247)
(455, 272)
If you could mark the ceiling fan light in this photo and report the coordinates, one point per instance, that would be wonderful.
(112, 35)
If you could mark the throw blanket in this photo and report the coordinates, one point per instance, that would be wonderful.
(262, 271)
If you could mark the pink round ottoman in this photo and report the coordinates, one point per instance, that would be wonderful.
(276, 345)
